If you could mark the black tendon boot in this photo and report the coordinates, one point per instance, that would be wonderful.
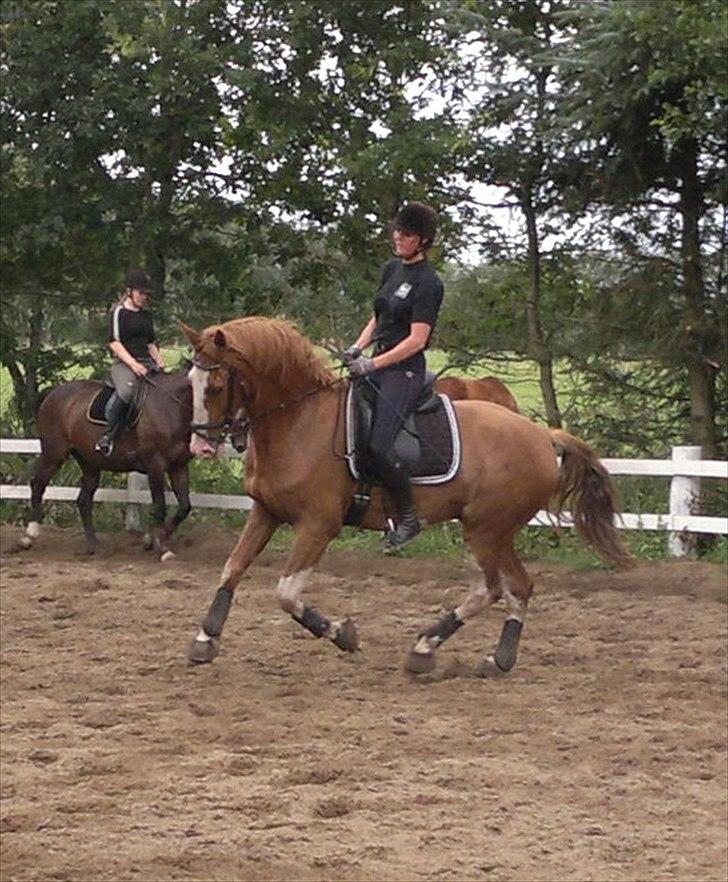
(408, 526)
(115, 422)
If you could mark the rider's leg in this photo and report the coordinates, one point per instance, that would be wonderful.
(398, 391)
(124, 383)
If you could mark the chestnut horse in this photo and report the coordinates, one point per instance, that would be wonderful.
(157, 443)
(480, 389)
(296, 474)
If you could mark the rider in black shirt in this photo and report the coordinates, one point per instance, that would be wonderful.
(133, 342)
(406, 307)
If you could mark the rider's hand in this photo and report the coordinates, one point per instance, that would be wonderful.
(351, 354)
(361, 366)
(140, 370)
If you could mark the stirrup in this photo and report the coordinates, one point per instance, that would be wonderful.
(104, 445)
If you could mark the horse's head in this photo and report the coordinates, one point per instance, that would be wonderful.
(219, 399)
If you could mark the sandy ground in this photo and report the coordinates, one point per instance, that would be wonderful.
(602, 756)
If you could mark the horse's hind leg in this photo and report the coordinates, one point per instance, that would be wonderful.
(85, 501)
(486, 549)
(48, 464)
(310, 544)
(517, 587)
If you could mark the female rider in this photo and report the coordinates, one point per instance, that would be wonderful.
(133, 343)
(406, 307)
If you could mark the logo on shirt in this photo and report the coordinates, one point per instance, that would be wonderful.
(403, 290)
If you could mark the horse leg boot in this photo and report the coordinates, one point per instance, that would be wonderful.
(115, 421)
(259, 528)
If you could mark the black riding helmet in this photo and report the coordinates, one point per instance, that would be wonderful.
(139, 279)
(417, 218)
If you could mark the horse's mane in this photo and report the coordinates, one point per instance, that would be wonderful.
(269, 349)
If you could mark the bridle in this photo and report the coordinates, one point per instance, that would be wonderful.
(228, 422)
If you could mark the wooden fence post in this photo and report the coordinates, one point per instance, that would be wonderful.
(133, 511)
(684, 497)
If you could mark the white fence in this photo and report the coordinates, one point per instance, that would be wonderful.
(685, 470)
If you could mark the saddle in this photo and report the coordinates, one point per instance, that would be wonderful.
(101, 404)
(428, 443)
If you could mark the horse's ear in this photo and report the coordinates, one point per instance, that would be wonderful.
(219, 339)
(192, 335)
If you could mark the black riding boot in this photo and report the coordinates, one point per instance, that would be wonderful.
(115, 422)
(396, 481)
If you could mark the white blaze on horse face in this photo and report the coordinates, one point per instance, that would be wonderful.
(198, 379)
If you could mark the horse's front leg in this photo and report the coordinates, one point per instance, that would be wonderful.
(159, 513)
(89, 483)
(179, 478)
(310, 544)
(259, 527)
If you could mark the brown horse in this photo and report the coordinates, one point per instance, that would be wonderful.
(158, 443)
(480, 389)
(296, 474)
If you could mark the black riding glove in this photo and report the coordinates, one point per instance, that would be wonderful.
(361, 367)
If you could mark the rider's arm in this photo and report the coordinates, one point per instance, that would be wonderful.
(416, 341)
(365, 338)
(123, 354)
(156, 355)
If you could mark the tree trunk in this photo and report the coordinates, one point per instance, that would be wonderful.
(23, 370)
(537, 348)
(697, 331)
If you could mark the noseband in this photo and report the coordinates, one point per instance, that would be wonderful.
(228, 421)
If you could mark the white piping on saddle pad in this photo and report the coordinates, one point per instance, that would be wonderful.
(424, 479)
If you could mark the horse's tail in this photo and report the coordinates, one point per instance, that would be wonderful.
(592, 498)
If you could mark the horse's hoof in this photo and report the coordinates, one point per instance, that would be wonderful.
(168, 555)
(420, 662)
(201, 652)
(25, 542)
(147, 542)
(348, 638)
(92, 548)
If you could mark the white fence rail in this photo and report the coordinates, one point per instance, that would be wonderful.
(685, 470)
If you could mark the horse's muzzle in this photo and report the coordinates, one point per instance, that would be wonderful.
(203, 448)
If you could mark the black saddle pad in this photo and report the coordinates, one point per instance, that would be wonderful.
(96, 412)
(436, 430)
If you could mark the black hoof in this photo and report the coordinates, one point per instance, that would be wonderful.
(420, 662)
(92, 546)
(348, 638)
(201, 652)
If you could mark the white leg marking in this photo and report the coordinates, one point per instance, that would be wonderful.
(33, 529)
(203, 637)
(514, 605)
(289, 591)
(474, 603)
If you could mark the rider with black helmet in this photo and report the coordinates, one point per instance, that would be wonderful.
(406, 307)
(133, 343)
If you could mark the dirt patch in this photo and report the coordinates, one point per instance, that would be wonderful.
(601, 757)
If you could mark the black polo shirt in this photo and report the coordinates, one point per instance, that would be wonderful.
(133, 329)
(408, 293)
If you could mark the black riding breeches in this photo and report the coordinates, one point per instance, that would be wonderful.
(397, 393)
